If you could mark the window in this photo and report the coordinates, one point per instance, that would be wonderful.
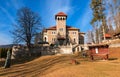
(61, 29)
(67, 32)
(74, 33)
(53, 39)
(96, 50)
(45, 39)
(53, 32)
(74, 39)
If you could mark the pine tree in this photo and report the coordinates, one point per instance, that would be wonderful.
(98, 18)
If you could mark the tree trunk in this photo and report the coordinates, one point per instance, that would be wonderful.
(104, 33)
(29, 48)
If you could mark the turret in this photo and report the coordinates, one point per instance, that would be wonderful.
(61, 23)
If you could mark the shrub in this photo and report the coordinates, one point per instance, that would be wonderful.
(51, 45)
(0, 52)
(3, 52)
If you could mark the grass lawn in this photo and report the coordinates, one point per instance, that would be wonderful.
(60, 66)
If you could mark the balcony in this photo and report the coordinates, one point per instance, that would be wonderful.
(61, 37)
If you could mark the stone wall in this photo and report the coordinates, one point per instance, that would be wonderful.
(43, 50)
(18, 52)
(65, 50)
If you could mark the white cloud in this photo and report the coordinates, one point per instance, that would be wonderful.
(55, 7)
(85, 19)
(59, 5)
(5, 39)
(8, 14)
(17, 4)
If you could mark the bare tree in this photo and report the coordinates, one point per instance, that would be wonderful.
(90, 37)
(114, 14)
(111, 30)
(27, 25)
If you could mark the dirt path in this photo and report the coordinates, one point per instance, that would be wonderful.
(59, 66)
(37, 67)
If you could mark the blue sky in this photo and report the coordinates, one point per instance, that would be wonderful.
(78, 11)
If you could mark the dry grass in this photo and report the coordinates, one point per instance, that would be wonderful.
(114, 52)
(94, 69)
(115, 41)
(60, 66)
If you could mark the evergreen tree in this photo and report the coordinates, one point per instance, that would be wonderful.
(99, 19)
(0, 52)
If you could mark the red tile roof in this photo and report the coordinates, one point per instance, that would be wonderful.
(107, 35)
(52, 28)
(71, 28)
(68, 27)
(81, 33)
(44, 30)
(60, 14)
(61, 38)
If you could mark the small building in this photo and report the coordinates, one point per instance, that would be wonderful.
(99, 50)
(116, 36)
(108, 36)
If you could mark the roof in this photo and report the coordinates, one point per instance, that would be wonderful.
(61, 38)
(44, 30)
(68, 27)
(60, 14)
(51, 28)
(98, 45)
(81, 33)
(116, 34)
(107, 35)
(71, 28)
(43, 42)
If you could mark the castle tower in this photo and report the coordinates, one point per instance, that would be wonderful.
(61, 24)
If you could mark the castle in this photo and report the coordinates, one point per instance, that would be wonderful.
(61, 33)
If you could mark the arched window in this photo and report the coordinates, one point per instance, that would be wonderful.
(74, 39)
(61, 18)
(45, 39)
(58, 18)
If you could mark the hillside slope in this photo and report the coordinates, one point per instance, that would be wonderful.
(60, 66)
